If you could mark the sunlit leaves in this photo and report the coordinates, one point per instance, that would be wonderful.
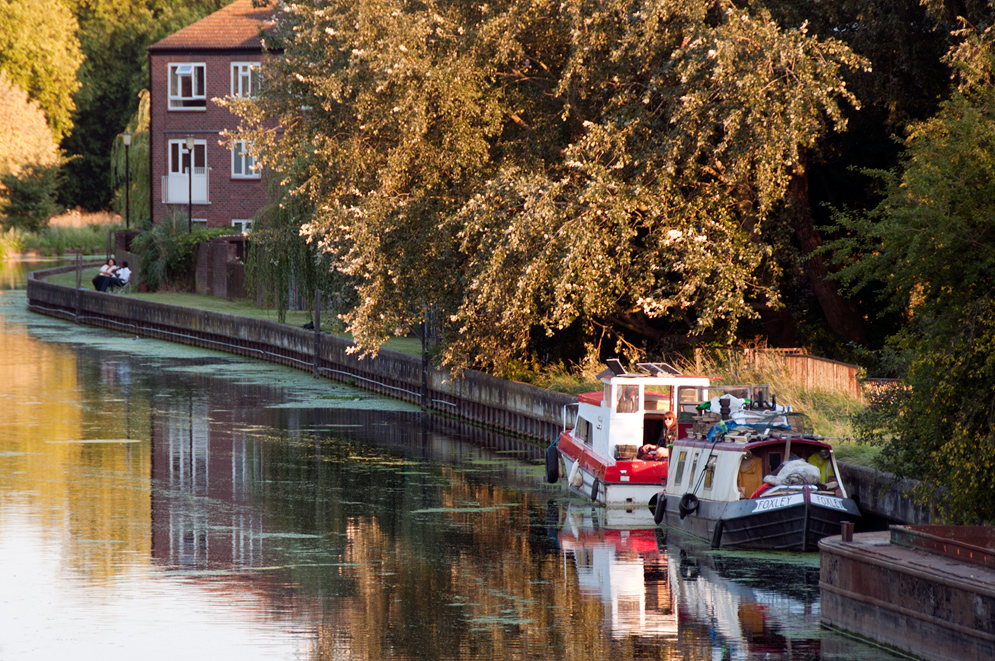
(521, 166)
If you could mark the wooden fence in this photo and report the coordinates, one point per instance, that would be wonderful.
(809, 371)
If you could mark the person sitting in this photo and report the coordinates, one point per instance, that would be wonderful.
(104, 275)
(120, 278)
(669, 432)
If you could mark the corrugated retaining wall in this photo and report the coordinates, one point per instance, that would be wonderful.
(513, 407)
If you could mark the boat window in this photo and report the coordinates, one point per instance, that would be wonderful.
(583, 430)
(628, 399)
(687, 401)
(710, 472)
(681, 460)
(694, 464)
(774, 459)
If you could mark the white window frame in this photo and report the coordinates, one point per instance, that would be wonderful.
(245, 79)
(243, 225)
(194, 98)
(200, 223)
(243, 165)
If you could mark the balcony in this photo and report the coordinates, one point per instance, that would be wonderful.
(176, 187)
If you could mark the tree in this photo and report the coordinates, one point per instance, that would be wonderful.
(930, 246)
(40, 53)
(138, 164)
(29, 160)
(529, 166)
(25, 137)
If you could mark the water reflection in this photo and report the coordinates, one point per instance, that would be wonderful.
(158, 501)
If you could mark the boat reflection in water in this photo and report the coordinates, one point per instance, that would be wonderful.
(754, 605)
(625, 568)
(712, 604)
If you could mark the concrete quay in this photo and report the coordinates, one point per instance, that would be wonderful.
(927, 591)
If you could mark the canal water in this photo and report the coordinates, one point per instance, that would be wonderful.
(163, 502)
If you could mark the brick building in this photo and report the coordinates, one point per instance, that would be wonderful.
(218, 56)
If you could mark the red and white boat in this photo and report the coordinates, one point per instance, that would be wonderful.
(600, 455)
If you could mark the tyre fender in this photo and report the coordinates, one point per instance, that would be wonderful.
(687, 505)
(552, 464)
(660, 511)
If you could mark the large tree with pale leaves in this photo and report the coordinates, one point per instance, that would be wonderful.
(522, 167)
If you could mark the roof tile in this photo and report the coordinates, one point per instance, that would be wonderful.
(233, 27)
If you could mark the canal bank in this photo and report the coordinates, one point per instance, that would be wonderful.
(923, 590)
(518, 408)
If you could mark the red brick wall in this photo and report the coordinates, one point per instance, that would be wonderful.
(229, 198)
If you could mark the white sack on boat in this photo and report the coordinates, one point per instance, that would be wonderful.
(796, 471)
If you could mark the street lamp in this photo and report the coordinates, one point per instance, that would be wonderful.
(190, 184)
(126, 137)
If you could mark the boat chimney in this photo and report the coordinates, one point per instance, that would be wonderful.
(724, 407)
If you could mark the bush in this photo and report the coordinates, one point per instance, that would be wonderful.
(29, 197)
(167, 251)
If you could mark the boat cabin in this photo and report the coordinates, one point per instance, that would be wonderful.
(742, 462)
(631, 409)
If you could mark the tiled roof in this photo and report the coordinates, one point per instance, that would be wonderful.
(233, 27)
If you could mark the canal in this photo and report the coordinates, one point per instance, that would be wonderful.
(164, 502)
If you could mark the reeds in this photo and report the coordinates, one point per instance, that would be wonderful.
(72, 231)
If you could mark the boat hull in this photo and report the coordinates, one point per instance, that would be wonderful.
(794, 521)
(617, 484)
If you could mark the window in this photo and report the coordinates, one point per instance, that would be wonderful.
(243, 226)
(187, 87)
(243, 166)
(244, 78)
(179, 157)
(583, 430)
(709, 472)
(682, 459)
(182, 182)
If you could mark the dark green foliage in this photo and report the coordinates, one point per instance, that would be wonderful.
(167, 251)
(929, 248)
(28, 199)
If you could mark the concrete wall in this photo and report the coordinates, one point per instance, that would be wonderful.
(884, 496)
(514, 407)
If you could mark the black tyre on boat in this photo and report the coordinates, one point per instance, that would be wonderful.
(552, 464)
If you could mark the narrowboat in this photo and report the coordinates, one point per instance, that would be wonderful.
(615, 451)
(754, 479)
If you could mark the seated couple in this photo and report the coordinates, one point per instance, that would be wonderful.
(112, 275)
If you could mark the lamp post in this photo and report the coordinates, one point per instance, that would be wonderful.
(126, 138)
(190, 184)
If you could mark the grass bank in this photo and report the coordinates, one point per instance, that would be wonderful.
(409, 345)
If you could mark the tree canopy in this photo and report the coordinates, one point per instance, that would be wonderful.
(929, 248)
(523, 167)
(25, 138)
(40, 52)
